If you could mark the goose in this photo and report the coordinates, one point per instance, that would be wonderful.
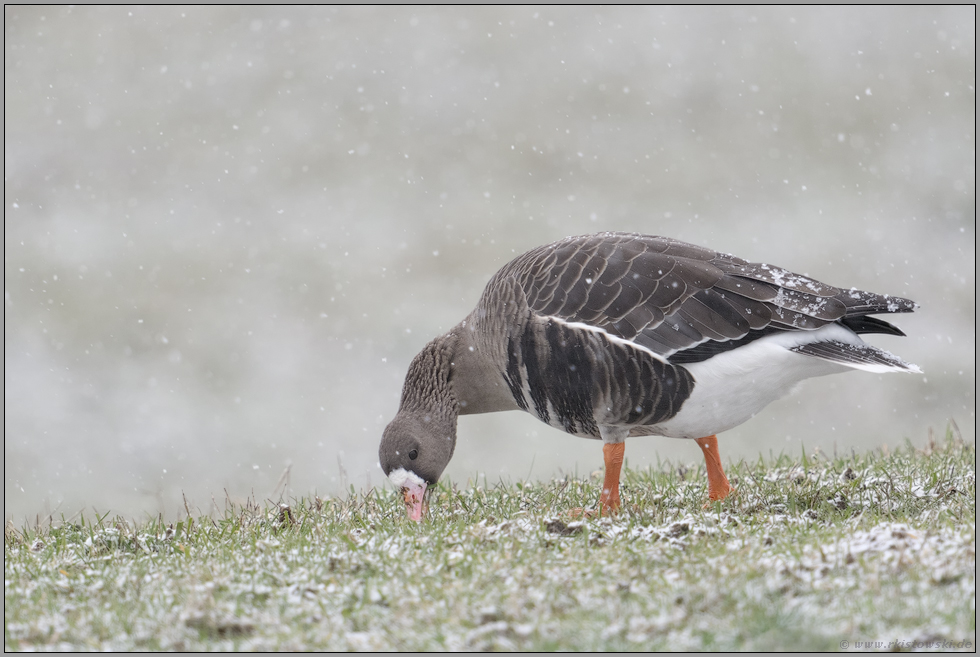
(615, 335)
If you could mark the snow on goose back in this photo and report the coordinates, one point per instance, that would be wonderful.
(619, 334)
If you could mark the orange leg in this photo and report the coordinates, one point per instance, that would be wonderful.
(612, 453)
(718, 486)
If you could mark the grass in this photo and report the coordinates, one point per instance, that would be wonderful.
(809, 553)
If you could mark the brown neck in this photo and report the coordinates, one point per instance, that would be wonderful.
(427, 384)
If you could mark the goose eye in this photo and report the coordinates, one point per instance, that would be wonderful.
(414, 454)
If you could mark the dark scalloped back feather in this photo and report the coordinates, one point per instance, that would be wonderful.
(672, 297)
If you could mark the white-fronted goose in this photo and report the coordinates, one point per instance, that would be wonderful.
(615, 335)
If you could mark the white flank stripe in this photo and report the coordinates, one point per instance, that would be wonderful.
(609, 336)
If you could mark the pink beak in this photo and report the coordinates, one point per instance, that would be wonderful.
(415, 501)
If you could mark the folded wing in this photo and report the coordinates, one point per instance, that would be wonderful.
(686, 303)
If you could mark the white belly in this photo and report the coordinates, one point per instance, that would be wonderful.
(732, 387)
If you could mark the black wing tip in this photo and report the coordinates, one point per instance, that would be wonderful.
(867, 324)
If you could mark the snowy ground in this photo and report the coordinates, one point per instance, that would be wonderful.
(819, 554)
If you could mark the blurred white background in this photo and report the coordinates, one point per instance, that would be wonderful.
(227, 231)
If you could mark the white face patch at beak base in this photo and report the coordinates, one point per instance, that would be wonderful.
(402, 478)
(412, 488)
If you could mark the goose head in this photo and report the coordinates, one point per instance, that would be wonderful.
(415, 449)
